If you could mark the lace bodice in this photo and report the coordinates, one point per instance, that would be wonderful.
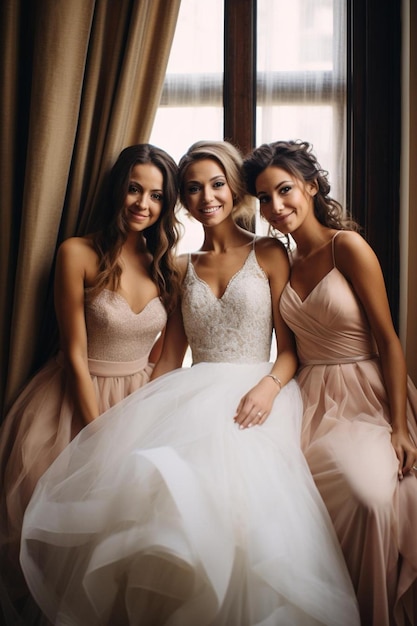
(116, 333)
(236, 328)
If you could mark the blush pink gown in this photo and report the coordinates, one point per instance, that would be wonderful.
(43, 420)
(346, 440)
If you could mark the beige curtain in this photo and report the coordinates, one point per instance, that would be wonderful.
(80, 80)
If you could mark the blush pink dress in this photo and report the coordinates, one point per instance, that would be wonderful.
(43, 420)
(346, 440)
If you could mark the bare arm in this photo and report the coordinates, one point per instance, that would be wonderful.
(175, 341)
(156, 350)
(256, 405)
(359, 264)
(72, 260)
(174, 346)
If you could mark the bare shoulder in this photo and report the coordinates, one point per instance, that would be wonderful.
(77, 245)
(78, 254)
(271, 251)
(351, 246)
(354, 256)
(272, 257)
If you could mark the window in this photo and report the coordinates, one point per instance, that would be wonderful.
(301, 79)
(300, 52)
(191, 106)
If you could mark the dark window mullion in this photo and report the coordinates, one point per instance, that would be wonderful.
(239, 88)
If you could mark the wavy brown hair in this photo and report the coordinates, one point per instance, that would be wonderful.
(161, 238)
(230, 160)
(298, 159)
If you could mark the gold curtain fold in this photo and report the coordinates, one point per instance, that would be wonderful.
(80, 80)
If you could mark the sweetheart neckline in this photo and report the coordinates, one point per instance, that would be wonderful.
(123, 299)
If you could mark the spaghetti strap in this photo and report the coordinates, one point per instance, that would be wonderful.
(333, 238)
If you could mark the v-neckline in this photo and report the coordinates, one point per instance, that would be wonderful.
(229, 282)
(302, 300)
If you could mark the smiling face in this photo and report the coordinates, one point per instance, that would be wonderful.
(207, 195)
(144, 200)
(285, 200)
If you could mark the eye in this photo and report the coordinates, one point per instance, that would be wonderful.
(218, 184)
(285, 189)
(264, 199)
(133, 188)
(157, 196)
(193, 188)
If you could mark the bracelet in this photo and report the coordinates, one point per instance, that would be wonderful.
(275, 379)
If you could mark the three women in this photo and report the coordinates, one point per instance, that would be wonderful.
(190, 501)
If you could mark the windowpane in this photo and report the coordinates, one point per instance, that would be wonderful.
(318, 124)
(295, 36)
(198, 42)
(176, 128)
(191, 106)
(301, 79)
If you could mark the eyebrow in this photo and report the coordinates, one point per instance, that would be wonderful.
(136, 182)
(210, 180)
(277, 186)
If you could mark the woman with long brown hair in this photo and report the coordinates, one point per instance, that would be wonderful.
(113, 290)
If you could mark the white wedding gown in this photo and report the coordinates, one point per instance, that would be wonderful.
(163, 511)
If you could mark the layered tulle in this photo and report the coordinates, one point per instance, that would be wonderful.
(163, 511)
(39, 426)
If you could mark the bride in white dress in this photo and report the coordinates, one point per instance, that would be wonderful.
(190, 503)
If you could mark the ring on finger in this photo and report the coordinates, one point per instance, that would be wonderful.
(259, 413)
(414, 467)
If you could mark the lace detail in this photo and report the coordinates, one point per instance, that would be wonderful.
(236, 328)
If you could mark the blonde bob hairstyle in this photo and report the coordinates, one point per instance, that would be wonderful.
(229, 158)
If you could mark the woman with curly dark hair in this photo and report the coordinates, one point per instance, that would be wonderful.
(359, 430)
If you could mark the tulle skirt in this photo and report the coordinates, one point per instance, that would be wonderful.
(40, 424)
(163, 511)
